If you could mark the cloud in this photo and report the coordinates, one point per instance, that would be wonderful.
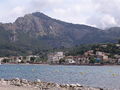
(108, 21)
(107, 13)
(99, 13)
(18, 10)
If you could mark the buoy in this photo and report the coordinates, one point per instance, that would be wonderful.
(109, 71)
(18, 69)
(56, 70)
(81, 73)
(114, 74)
(33, 70)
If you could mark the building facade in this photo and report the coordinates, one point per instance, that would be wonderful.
(53, 58)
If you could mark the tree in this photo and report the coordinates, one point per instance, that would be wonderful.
(119, 41)
(32, 59)
(5, 61)
(61, 61)
(92, 60)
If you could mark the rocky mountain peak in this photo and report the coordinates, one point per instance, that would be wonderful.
(41, 15)
(39, 30)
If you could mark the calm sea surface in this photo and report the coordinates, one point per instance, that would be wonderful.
(97, 76)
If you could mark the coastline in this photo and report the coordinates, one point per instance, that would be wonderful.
(23, 84)
(62, 64)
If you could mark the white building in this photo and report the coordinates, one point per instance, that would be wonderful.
(118, 45)
(1, 59)
(105, 58)
(70, 61)
(98, 53)
(55, 57)
(28, 58)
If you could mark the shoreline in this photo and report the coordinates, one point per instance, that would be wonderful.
(23, 84)
(63, 64)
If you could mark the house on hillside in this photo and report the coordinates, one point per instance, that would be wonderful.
(118, 45)
(98, 60)
(89, 53)
(81, 59)
(99, 53)
(117, 58)
(104, 45)
(103, 56)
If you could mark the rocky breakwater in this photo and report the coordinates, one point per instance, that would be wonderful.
(39, 85)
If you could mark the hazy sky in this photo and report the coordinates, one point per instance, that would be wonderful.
(99, 13)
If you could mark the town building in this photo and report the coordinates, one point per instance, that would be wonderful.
(1, 59)
(89, 53)
(81, 59)
(53, 58)
(31, 58)
(103, 56)
(69, 60)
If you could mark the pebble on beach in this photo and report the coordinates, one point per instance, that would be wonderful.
(44, 85)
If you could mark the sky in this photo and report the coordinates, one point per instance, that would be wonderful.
(97, 13)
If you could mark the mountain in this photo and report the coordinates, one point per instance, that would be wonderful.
(38, 31)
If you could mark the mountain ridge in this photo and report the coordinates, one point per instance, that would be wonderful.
(39, 31)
